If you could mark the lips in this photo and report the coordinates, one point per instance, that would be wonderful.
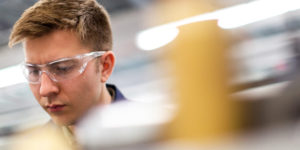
(55, 108)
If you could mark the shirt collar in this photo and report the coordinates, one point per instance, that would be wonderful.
(115, 93)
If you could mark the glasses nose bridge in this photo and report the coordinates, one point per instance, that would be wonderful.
(45, 69)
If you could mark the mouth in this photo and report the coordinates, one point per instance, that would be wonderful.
(55, 108)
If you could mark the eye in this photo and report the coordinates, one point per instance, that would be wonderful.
(64, 67)
(58, 69)
(33, 71)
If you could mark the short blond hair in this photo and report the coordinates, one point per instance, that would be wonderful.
(87, 18)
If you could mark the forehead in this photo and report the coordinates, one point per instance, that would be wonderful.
(55, 45)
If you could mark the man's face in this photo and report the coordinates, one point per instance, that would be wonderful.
(65, 101)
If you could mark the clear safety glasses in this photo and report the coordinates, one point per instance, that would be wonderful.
(61, 69)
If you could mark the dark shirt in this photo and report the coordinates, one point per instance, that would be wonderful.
(115, 93)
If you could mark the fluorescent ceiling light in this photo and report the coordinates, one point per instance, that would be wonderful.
(148, 40)
(156, 37)
(244, 14)
(11, 76)
(228, 18)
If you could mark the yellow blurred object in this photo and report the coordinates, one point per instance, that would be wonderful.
(201, 78)
(46, 138)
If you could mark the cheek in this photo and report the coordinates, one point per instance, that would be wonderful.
(91, 78)
(82, 88)
(80, 95)
(35, 91)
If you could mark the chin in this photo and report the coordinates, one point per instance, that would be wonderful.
(63, 122)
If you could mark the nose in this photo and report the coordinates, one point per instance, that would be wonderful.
(47, 87)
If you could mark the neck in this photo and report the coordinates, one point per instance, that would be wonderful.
(71, 128)
(105, 97)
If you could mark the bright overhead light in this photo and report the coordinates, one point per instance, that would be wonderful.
(228, 18)
(11, 76)
(244, 14)
(156, 37)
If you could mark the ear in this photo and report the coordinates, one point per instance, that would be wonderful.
(107, 63)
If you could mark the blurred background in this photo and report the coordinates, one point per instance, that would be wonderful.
(258, 40)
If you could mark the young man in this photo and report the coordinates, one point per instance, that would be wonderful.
(68, 57)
